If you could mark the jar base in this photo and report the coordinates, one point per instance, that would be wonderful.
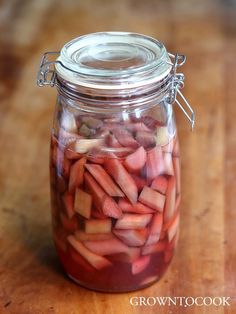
(86, 286)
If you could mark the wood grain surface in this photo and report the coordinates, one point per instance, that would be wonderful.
(31, 278)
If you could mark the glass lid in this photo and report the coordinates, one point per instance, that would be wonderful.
(113, 60)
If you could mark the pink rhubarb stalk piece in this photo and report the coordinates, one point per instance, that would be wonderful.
(104, 180)
(135, 161)
(110, 208)
(154, 248)
(133, 221)
(68, 200)
(140, 264)
(97, 192)
(112, 141)
(83, 203)
(168, 148)
(98, 225)
(106, 247)
(155, 229)
(173, 229)
(137, 208)
(137, 126)
(170, 200)
(76, 174)
(95, 260)
(160, 184)
(132, 237)
(124, 137)
(152, 198)
(145, 139)
(128, 257)
(140, 182)
(123, 179)
(70, 225)
(83, 236)
(176, 164)
(169, 170)
(155, 163)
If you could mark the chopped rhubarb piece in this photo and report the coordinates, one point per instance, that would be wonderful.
(172, 231)
(68, 200)
(98, 225)
(95, 260)
(66, 138)
(70, 154)
(76, 174)
(138, 126)
(110, 208)
(95, 189)
(140, 264)
(162, 235)
(154, 248)
(170, 200)
(128, 257)
(169, 170)
(155, 164)
(84, 130)
(137, 208)
(155, 229)
(83, 203)
(173, 243)
(133, 221)
(151, 123)
(106, 247)
(152, 198)
(123, 179)
(92, 122)
(96, 159)
(78, 259)
(168, 148)
(70, 225)
(98, 214)
(145, 139)
(124, 137)
(61, 184)
(83, 236)
(83, 146)
(176, 164)
(68, 122)
(112, 141)
(104, 180)
(135, 161)
(162, 136)
(132, 237)
(166, 225)
(140, 182)
(160, 184)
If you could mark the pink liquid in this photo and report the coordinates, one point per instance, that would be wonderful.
(145, 246)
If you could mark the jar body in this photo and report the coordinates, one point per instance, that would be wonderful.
(115, 193)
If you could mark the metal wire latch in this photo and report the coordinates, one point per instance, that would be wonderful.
(46, 73)
(177, 84)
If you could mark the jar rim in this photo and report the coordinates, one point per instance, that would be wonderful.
(113, 60)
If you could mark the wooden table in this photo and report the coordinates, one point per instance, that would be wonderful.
(31, 278)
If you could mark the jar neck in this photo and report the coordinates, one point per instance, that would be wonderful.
(115, 99)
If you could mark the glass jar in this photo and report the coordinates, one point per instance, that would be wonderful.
(114, 161)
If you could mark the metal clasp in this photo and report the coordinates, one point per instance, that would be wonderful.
(46, 74)
(177, 84)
